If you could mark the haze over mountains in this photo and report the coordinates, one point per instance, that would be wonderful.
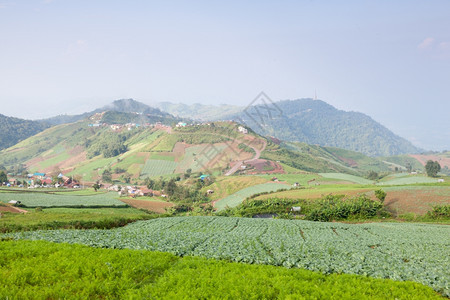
(302, 120)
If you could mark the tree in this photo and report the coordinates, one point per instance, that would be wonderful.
(432, 168)
(107, 176)
(372, 175)
(3, 178)
(96, 186)
(381, 195)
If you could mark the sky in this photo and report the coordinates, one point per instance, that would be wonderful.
(387, 59)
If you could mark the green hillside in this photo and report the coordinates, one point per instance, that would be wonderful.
(126, 152)
(316, 122)
(14, 130)
(317, 159)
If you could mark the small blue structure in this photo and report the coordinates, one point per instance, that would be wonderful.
(202, 177)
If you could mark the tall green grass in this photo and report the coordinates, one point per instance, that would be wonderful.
(43, 270)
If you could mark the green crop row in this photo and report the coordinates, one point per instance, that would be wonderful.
(42, 270)
(62, 200)
(398, 251)
(158, 168)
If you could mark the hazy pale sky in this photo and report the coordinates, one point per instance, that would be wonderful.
(388, 59)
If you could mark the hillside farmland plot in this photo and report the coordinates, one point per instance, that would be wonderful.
(409, 180)
(346, 177)
(399, 251)
(35, 199)
(197, 157)
(158, 168)
(237, 198)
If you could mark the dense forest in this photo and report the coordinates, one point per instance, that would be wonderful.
(14, 130)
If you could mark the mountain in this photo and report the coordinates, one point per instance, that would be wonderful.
(316, 122)
(199, 111)
(135, 152)
(13, 130)
(122, 105)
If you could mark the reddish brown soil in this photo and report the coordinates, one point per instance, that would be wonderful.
(257, 167)
(155, 206)
(350, 162)
(443, 161)
(413, 201)
(11, 209)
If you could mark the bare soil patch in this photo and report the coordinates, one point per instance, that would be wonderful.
(262, 166)
(418, 201)
(155, 206)
(12, 209)
(443, 161)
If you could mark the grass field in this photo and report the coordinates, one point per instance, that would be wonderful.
(43, 270)
(237, 198)
(301, 178)
(40, 199)
(346, 177)
(320, 191)
(414, 179)
(161, 156)
(49, 162)
(197, 157)
(227, 185)
(53, 218)
(158, 168)
(89, 170)
(165, 143)
(399, 251)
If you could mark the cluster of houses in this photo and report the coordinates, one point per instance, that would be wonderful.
(134, 191)
(37, 180)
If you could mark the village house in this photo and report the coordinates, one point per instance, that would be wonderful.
(242, 129)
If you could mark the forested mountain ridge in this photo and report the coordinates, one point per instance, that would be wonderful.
(14, 130)
(121, 105)
(316, 122)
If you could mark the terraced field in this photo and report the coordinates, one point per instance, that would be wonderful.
(346, 177)
(403, 252)
(237, 198)
(197, 157)
(158, 168)
(402, 180)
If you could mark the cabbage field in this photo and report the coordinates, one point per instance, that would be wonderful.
(43, 199)
(399, 251)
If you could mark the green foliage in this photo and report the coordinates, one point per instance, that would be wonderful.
(246, 148)
(3, 177)
(440, 212)
(380, 250)
(333, 207)
(107, 176)
(373, 175)
(108, 144)
(73, 218)
(432, 168)
(14, 130)
(237, 198)
(381, 195)
(42, 270)
(306, 161)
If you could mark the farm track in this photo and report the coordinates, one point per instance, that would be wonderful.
(238, 164)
